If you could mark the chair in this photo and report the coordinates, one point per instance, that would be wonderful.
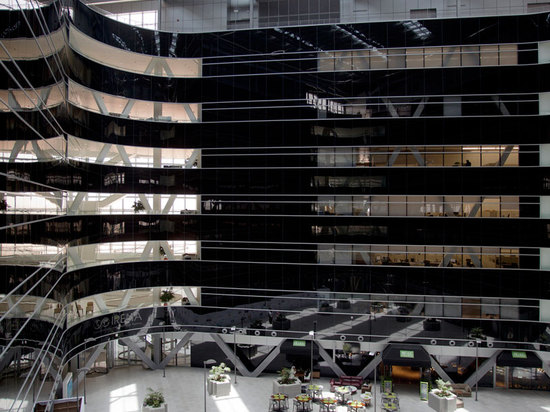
(89, 307)
(275, 405)
(278, 404)
(302, 406)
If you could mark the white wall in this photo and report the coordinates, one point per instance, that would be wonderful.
(355, 10)
(544, 103)
(544, 52)
(193, 15)
(544, 310)
(545, 207)
(545, 258)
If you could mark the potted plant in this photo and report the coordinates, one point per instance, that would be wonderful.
(219, 383)
(477, 333)
(542, 342)
(287, 382)
(4, 205)
(325, 307)
(138, 206)
(281, 322)
(154, 401)
(346, 348)
(431, 324)
(166, 296)
(256, 326)
(442, 399)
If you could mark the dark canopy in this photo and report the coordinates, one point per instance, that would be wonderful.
(519, 358)
(406, 355)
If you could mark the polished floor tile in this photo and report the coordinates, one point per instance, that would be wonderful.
(123, 389)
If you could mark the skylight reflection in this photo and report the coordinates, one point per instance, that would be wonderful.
(124, 399)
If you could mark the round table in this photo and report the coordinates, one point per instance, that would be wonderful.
(356, 404)
(326, 403)
(342, 391)
(303, 400)
(277, 399)
(367, 398)
(314, 390)
(388, 406)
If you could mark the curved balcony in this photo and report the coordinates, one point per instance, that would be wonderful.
(380, 319)
(18, 306)
(25, 151)
(32, 99)
(133, 62)
(31, 48)
(111, 253)
(116, 106)
(29, 254)
(127, 299)
(90, 151)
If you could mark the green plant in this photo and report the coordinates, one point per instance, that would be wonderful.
(287, 376)
(138, 206)
(166, 295)
(346, 347)
(476, 332)
(217, 373)
(280, 317)
(443, 388)
(154, 399)
(257, 324)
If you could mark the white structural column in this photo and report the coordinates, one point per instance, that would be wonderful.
(169, 204)
(192, 159)
(17, 146)
(483, 369)
(193, 300)
(99, 101)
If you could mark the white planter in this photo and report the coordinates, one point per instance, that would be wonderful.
(216, 388)
(162, 408)
(440, 404)
(291, 390)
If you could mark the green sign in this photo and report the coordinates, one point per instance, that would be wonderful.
(406, 354)
(424, 389)
(519, 354)
(301, 343)
(387, 385)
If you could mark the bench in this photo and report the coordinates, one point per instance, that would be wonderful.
(462, 390)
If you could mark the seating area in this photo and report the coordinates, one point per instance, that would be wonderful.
(313, 398)
(462, 390)
(344, 380)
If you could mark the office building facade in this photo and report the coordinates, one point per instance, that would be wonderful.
(358, 174)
